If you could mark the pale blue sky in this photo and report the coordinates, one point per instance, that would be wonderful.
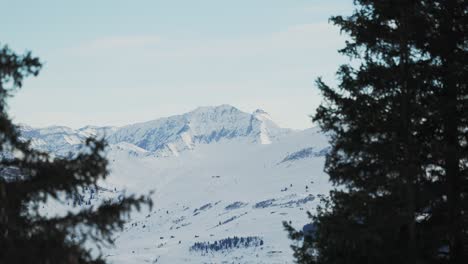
(110, 62)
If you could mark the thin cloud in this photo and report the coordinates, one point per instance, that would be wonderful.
(117, 44)
(294, 39)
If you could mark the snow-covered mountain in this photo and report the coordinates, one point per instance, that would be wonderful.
(168, 136)
(61, 140)
(217, 173)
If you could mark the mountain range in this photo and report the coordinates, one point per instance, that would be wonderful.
(223, 182)
(167, 136)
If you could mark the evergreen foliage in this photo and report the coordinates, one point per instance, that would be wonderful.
(398, 127)
(30, 178)
(227, 244)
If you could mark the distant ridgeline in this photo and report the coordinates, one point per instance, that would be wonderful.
(306, 153)
(165, 136)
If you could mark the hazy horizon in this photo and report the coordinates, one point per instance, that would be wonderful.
(118, 62)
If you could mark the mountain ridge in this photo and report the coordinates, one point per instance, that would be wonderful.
(167, 136)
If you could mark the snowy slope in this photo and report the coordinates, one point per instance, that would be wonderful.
(216, 173)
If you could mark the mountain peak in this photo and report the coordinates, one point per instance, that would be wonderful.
(174, 134)
(260, 111)
(224, 108)
(204, 125)
(262, 115)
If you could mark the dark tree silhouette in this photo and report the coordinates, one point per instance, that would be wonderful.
(227, 244)
(398, 129)
(29, 178)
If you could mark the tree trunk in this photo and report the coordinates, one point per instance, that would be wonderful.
(451, 124)
(408, 170)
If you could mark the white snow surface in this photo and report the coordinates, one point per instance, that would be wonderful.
(216, 172)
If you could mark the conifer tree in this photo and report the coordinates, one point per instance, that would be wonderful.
(30, 178)
(447, 45)
(398, 130)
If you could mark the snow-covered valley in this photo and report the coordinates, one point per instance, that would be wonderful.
(217, 173)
